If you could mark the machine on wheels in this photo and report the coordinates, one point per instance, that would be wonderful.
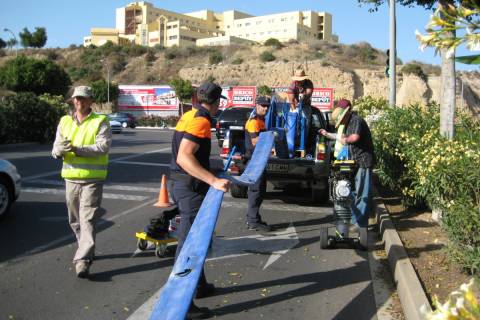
(341, 185)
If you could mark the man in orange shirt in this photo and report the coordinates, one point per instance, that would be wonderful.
(190, 173)
(256, 192)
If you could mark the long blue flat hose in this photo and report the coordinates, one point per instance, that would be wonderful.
(177, 293)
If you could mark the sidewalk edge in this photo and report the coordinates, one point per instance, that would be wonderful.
(411, 293)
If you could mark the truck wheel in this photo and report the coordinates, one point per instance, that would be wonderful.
(238, 191)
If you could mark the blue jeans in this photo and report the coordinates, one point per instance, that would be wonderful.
(362, 197)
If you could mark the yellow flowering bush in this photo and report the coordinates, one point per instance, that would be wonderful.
(463, 304)
(413, 158)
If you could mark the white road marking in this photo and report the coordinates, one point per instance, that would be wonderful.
(222, 248)
(145, 163)
(105, 187)
(70, 237)
(52, 173)
(145, 310)
(105, 195)
(274, 244)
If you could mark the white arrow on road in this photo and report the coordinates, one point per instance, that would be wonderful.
(275, 244)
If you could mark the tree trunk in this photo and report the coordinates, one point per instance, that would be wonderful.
(447, 104)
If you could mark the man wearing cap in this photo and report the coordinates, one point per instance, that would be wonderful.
(256, 192)
(190, 172)
(83, 140)
(353, 132)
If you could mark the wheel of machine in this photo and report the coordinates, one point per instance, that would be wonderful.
(161, 250)
(363, 238)
(324, 240)
(6, 197)
(142, 244)
(331, 242)
(238, 191)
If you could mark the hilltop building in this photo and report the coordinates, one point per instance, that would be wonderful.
(141, 23)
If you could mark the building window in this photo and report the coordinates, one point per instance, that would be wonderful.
(247, 24)
(259, 22)
(239, 25)
(271, 20)
(172, 37)
(283, 19)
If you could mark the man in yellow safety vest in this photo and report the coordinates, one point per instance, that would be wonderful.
(83, 140)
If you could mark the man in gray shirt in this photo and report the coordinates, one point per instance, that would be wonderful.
(83, 141)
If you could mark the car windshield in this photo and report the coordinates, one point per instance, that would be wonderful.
(236, 113)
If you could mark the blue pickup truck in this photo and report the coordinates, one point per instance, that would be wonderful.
(307, 169)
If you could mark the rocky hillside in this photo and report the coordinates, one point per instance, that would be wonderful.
(352, 70)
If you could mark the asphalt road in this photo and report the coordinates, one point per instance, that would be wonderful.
(280, 275)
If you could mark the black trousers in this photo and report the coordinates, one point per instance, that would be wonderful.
(188, 202)
(256, 193)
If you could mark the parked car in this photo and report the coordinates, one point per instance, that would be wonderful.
(115, 126)
(125, 119)
(234, 117)
(10, 182)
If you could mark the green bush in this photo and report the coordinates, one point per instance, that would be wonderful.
(267, 56)
(415, 69)
(28, 118)
(39, 76)
(150, 57)
(215, 58)
(100, 91)
(264, 90)
(428, 169)
(237, 61)
(157, 121)
(183, 88)
(273, 42)
(171, 53)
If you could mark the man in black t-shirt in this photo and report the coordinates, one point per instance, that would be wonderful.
(353, 132)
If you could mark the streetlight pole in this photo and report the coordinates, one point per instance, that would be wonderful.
(105, 61)
(108, 83)
(14, 37)
(393, 55)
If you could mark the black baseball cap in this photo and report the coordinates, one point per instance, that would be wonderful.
(263, 101)
(209, 92)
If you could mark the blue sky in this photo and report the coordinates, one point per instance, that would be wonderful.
(69, 21)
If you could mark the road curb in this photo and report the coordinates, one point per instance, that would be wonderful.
(411, 293)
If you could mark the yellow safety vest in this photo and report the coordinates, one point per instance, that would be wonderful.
(338, 144)
(76, 167)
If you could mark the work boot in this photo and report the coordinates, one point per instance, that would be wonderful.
(259, 226)
(204, 291)
(82, 268)
(197, 313)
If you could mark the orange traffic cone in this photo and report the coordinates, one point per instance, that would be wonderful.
(163, 200)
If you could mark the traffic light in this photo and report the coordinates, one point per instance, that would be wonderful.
(387, 67)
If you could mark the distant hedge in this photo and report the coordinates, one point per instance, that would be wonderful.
(25, 117)
(156, 121)
(24, 74)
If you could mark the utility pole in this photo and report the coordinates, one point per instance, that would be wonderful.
(393, 55)
(14, 37)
